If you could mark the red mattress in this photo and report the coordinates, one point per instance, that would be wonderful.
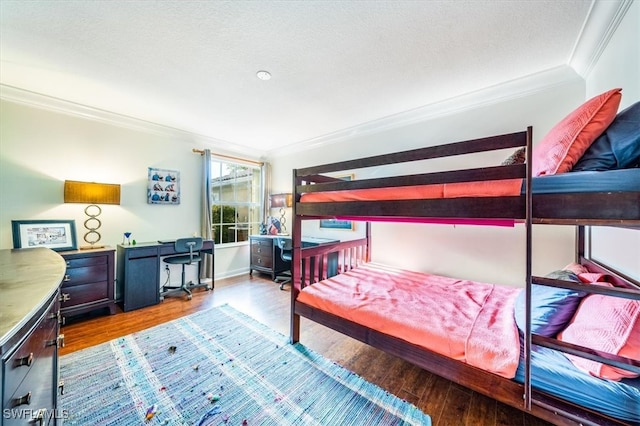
(489, 188)
(469, 321)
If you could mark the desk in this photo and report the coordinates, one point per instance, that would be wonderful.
(138, 283)
(265, 254)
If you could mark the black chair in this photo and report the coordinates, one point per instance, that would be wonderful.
(286, 254)
(192, 246)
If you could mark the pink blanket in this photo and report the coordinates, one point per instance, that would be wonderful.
(465, 320)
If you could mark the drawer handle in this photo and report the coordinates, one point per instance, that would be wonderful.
(259, 250)
(55, 316)
(22, 400)
(66, 278)
(25, 360)
(259, 260)
(64, 297)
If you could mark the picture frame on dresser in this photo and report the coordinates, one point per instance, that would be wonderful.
(56, 234)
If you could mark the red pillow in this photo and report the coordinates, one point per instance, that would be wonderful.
(568, 140)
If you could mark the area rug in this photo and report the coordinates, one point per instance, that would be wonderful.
(219, 366)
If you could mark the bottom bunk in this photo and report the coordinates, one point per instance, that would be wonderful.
(470, 333)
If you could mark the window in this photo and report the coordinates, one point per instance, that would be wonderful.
(235, 195)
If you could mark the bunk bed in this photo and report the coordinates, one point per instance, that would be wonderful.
(334, 285)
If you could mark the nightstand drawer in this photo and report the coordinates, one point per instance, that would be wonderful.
(86, 261)
(261, 250)
(83, 275)
(262, 261)
(85, 293)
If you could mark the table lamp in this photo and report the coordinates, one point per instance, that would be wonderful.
(93, 194)
(282, 201)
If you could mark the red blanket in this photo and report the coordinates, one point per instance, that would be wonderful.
(465, 320)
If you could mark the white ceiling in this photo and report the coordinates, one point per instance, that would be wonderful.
(336, 65)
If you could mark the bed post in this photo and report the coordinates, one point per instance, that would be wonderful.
(368, 237)
(580, 243)
(528, 283)
(296, 272)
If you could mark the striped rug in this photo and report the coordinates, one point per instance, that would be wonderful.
(219, 367)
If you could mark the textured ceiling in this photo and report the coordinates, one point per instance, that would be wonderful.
(192, 65)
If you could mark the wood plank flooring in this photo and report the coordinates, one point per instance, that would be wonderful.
(446, 402)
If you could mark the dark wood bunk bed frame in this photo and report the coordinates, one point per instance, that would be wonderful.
(580, 209)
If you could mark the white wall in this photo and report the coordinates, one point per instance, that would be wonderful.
(619, 66)
(40, 149)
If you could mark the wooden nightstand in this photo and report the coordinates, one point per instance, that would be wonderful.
(265, 256)
(88, 283)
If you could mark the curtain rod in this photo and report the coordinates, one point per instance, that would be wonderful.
(201, 152)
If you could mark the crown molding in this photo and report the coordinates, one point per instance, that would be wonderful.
(506, 91)
(53, 104)
(602, 21)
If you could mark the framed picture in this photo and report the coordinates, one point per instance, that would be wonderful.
(58, 235)
(163, 186)
(335, 223)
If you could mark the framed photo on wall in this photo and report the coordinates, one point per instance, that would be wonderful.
(335, 223)
(163, 186)
(58, 235)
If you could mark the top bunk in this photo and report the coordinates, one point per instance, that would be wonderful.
(500, 195)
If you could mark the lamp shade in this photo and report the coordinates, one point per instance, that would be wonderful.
(281, 200)
(91, 192)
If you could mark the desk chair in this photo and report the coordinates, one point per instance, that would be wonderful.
(192, 246)
(286, 253)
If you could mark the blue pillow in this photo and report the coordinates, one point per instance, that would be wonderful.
(618, 147)
(551, 308)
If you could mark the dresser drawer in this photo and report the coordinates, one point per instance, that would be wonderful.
(83, 275)
(38, 389)
(261, 261)
(79, 262)
(85, 293)
(31, 351)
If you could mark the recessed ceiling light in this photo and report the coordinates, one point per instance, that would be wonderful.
(263, 75)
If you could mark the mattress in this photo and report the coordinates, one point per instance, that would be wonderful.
(625, 180)
(553, 373)
(468, 321)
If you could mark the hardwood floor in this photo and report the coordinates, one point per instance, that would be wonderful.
(446, 402)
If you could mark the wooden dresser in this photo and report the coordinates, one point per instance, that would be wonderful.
(265, 256)
(89, 281)
(29, 335)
